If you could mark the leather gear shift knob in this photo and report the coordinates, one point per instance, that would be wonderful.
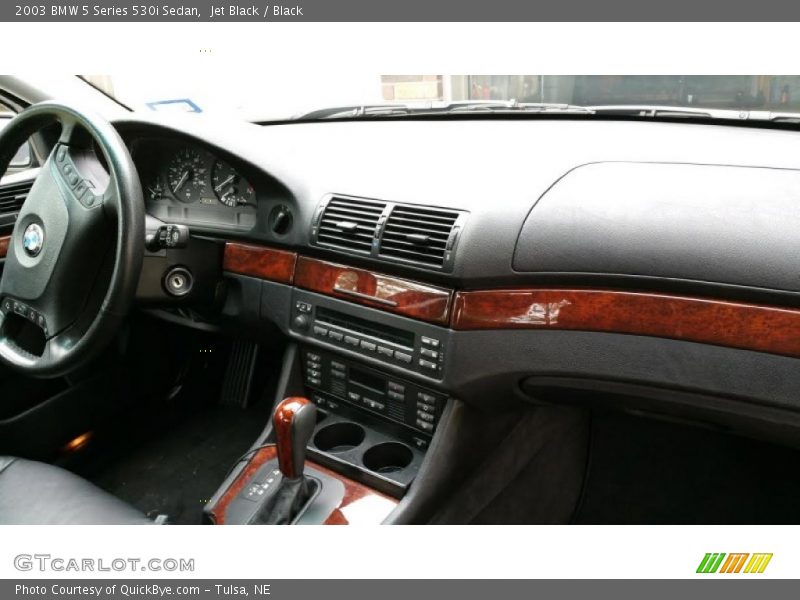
(294, 421)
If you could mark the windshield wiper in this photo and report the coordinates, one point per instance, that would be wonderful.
(355, 111)
(645, 110)
(441, 108)
(512, 106)
(731, 114)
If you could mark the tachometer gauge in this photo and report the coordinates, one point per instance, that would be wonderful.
(231, 188)
(186, 175)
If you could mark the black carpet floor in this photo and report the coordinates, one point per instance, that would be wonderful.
(643, 471)
(175, 469)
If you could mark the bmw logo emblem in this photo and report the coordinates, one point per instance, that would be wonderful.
(33, 239)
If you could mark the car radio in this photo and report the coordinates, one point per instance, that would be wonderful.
(373, 391)
(390, 344)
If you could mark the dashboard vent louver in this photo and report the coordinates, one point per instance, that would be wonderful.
(12, 196)
(419, 235)
(349, 223)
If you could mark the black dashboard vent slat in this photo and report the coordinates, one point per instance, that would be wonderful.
(418, 234)
(349, 223)
(13, 195)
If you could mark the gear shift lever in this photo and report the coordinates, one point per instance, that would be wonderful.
(294, 422)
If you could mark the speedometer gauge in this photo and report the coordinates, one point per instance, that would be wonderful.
(186, 175)
(231, 188)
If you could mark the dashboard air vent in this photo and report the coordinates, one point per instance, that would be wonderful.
(421, 235)
(348, 223)
(13, 195)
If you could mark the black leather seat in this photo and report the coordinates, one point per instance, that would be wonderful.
(35, 493)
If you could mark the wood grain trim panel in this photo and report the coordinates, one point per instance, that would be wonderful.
(259, 261)
(401, 296)
(5, 240)
(358, 504)
(720, 322)
(361, 504)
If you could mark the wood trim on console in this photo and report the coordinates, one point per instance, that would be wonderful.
(361, 504)
(411, 299)
(259, 261)
(346, 512)
(737, 325)
(4, 242)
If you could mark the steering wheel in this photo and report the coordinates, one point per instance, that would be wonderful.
(75, 255)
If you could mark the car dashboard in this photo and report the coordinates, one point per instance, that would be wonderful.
(486, 262)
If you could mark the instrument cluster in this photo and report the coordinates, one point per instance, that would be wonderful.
(192, 175)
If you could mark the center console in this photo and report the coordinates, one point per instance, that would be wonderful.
(370, 433)
(369, 355)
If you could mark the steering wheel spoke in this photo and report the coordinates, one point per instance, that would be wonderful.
(68, 124)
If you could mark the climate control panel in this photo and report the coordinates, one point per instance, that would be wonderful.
(365, 388)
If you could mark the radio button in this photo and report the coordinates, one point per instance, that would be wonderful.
(338, 374)
(368, 345)
(432, 342)
(397, 387)
(320, 330)
(427, 408)
(388, 352)
(424, 426)
(349, 339)
(353, 397)
(428, 364)
(396, 395)
(335, 364)
(314, 373)
(335, 335)
(403, 357)
(429, 353)
(314, 357)
(313, 381)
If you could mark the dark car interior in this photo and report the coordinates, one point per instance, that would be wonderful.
(464, 320)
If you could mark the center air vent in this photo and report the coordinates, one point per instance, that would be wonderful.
(12, 196)
(420, 235)
(348, 223)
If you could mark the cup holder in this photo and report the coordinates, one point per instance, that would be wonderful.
(339, 437)
(388, 457)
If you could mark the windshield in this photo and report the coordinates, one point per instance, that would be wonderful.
(302, 95)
